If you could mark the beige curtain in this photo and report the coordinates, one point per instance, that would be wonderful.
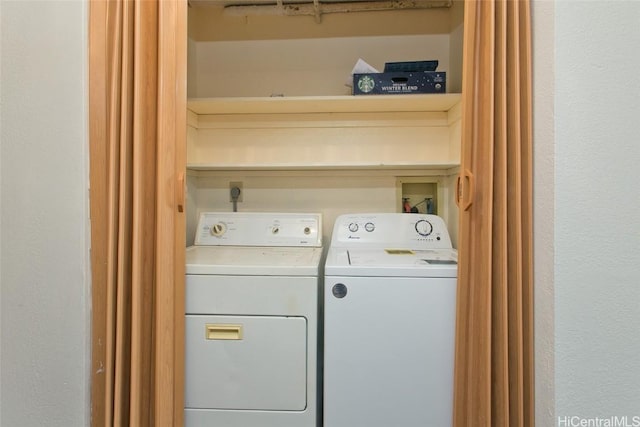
(494, 346)
(137, 112)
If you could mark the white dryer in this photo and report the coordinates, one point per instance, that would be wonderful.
(389, 322)
(252, 283)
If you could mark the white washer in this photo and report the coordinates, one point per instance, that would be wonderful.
(251, 330)
(389, 322)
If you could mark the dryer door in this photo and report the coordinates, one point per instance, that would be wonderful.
(246, 362)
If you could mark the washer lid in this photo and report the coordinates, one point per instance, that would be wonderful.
(253, 261)
(392, 262)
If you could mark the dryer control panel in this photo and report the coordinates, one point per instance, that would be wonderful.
(399, 230)
(259, 229)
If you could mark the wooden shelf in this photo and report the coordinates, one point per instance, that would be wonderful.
(370, 132)
(321, 166)
(325, 104)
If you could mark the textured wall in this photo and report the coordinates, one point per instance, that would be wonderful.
(597, 205)
(543, 136)
(305, 67)
(44, 284)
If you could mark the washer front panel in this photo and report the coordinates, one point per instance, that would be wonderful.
(388, 351)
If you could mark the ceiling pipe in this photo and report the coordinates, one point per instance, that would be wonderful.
(317, 11)
(318, 8)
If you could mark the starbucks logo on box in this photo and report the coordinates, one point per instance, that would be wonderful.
(366, 84)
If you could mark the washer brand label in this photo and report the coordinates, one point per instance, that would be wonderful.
(399, 251)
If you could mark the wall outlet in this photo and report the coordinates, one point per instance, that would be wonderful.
(237, 185)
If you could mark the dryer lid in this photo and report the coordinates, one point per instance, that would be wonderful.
(253, 261)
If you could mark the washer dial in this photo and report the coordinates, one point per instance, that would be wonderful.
(218, 229)
(424, 227)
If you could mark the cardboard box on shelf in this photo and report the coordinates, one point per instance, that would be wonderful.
(393, 83)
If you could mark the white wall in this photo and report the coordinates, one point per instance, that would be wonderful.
(543, 189)
(44, 268)
(330, 193)
(597, 209)
(304, 67)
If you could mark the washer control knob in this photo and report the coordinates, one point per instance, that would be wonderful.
(307, 230)
(353, 227)
(424, 227)
(218, 229)
(369, 227)
(275, 229)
